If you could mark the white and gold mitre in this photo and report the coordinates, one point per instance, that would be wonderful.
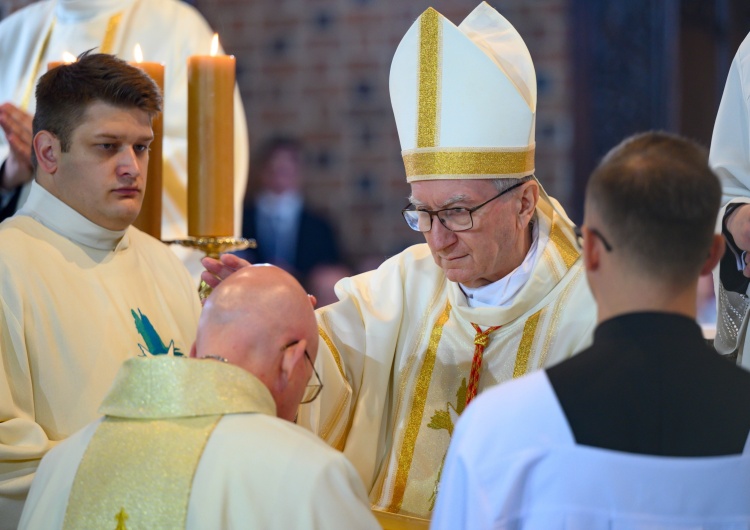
(464, 98)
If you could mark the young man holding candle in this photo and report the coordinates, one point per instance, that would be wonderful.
(81, 289)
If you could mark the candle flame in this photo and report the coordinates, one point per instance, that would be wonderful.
(215, 45)
(68, 58)
(138, 53)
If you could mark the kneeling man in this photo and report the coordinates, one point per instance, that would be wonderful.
(196, 443)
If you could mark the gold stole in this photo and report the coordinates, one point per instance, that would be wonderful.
(138, 471)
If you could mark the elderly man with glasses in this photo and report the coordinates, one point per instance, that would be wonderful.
(497, 291)
(210, 442)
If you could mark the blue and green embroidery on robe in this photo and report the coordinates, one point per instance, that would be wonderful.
(154, 343)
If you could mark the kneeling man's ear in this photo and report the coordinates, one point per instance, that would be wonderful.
(47, 149)
(291, 359)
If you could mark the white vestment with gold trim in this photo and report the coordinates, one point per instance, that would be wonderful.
(194, 444)
(396, 354)
(730, 159)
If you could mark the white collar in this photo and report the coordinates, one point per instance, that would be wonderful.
(502, 292)
(64, 220)
(287, 204)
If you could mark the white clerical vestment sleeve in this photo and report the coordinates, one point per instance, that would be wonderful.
(730, 144)
(339, 500)
(359, 336)
(48, 499)
(465, 506)
(22, 441)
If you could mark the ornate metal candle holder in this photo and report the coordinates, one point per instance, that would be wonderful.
(213, 247)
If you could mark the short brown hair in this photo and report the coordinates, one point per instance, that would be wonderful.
(64, 93)
(659, 201)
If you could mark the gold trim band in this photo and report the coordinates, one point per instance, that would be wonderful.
(417, 412)
(429, 78)
(109, 35)
(106, 47)
(422, 165)
(565, 248)
(524, 348)
(24, 106)
(327, 428)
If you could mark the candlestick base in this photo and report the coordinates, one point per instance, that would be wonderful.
(213, 247)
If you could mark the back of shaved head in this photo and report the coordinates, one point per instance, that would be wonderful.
(254, 313)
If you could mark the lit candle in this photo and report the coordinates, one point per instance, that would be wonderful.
(149, 219)
(67, 58)
(211, 144)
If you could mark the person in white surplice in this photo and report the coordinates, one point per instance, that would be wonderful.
(210, 442)
(730, 159)
(168, 32)
(647, 428)
(497, 291)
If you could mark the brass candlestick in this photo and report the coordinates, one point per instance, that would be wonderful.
(213, 247)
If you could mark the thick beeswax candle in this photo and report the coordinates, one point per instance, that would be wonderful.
(149, 220)
(211, 145)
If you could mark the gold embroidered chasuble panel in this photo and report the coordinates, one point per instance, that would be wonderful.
(432, 395)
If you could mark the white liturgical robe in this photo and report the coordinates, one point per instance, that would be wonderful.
(76, 301)
(396, 354)
(730, 159)
(514, 464)
(255, 470)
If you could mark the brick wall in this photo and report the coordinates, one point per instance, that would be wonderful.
(318, 69)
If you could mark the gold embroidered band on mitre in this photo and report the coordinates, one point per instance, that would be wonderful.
(140, 463)
(430, 52)
(456, 163)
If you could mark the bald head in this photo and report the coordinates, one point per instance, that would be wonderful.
(257, 318)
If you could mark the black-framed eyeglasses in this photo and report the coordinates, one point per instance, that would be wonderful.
(454, 219)
(579, 237)
(312, 391)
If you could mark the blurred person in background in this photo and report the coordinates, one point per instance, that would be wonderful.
(289, 234)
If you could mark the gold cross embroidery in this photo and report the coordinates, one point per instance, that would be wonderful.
(121, 518)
